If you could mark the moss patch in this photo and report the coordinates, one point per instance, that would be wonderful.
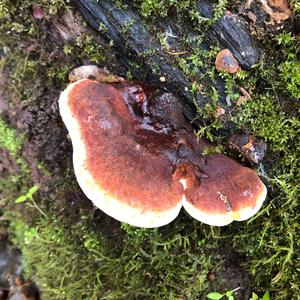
(146, 264)
(9, 140)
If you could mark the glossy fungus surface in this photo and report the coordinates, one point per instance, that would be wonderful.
(138, 160)
(225, 61)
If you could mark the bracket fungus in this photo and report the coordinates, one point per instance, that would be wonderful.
(137, 159)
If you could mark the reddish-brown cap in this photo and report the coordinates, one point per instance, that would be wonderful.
(141, 171)
(225, 61)
(225, 191)
(113, 165)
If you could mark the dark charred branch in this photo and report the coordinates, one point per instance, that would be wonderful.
(230, 32)
(134, 42)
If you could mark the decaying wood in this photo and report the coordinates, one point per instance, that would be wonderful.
(230, 32)
(132, 44)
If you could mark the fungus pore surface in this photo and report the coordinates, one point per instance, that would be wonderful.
(138, 160)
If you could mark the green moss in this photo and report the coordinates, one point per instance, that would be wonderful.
(295, 6)
(74, 263)
(28, 59)
(157, 8)
(290, 74)
(89, 48)
(290, 66)
(61, 267)
(270, 241)
(12, 182)
(9, 139)
(161, 8)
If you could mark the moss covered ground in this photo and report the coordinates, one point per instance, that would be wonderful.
(74, 251)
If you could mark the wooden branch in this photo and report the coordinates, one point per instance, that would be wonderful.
(133, 42)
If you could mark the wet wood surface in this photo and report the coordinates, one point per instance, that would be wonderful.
(132, 44)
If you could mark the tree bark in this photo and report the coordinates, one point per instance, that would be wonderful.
(132, 42)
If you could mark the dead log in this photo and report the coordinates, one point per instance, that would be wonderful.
(134, 41)
(231, 33)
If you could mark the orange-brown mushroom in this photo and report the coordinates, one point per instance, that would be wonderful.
(138, 160)
(225, 192)
(225, 61)
(117, 162)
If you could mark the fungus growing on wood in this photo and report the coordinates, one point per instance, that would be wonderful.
(138, 160)
(277, 9)
(226, 191)
(225, 61)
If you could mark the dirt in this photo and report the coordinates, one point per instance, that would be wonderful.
(45, 136)
(234, 275)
